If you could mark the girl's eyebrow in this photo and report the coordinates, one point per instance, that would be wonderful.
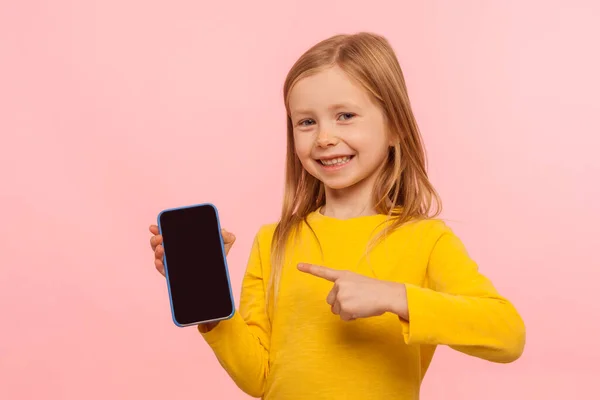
(340, 106)
(300, 112)
(333, 107)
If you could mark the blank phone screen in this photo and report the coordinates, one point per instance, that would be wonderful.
(195, 265)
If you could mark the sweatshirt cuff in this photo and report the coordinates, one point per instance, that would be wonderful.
(415, 331)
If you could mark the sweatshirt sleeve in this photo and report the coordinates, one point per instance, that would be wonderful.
(241, 344)
(461, 308)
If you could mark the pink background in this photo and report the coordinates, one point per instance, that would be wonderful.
(112, 110)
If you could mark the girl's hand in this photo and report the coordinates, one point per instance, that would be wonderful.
(357, 296)
(157, 248)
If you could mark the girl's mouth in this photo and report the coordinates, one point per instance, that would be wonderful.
(335, 163)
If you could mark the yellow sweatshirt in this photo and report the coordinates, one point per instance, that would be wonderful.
(307, 353)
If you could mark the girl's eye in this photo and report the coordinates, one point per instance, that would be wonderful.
(346, 116)
(306, 122)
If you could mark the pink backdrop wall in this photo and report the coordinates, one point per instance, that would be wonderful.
(112, 110)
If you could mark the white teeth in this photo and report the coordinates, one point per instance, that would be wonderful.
(336, 161)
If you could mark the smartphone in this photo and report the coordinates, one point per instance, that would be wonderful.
(195, 265)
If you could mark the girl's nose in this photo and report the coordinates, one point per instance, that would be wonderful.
(326, 139)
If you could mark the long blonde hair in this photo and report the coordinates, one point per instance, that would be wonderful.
(402, 190)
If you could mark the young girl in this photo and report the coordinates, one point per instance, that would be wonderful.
(348, 295)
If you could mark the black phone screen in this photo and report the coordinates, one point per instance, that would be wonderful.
(195, 264)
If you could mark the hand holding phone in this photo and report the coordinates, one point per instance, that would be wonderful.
(190, 250)
(157, 248)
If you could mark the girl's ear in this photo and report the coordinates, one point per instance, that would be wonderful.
(392, 139)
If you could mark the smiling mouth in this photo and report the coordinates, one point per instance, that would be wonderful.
(333, 162)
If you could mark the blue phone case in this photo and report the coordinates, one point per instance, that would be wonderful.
(224, 258)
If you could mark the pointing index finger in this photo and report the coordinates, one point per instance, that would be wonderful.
(322, 272)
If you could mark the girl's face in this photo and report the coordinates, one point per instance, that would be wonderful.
(340, 134)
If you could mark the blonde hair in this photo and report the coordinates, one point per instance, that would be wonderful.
(402, 190)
